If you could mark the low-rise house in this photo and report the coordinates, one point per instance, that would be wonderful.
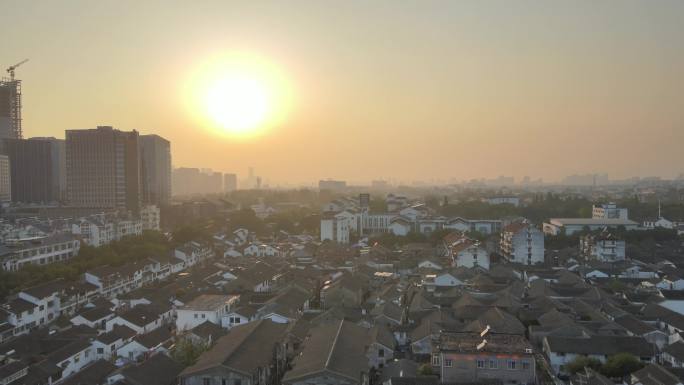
(334, 354)
(111, 280)
(156, 341)
(106, 344)
(261, 250)
(561, 350)
(206, 307)
(95, 317)
(251, 354)
(240, 316)
(381, 346)
(73, 357)
(673, 354)
(159, 369)
(143, 318)
(43, 251)
(193, 252)
(654, 374)
(348, 290)
(205, 334)
(477, 357)
(259, 278)
(636, 327)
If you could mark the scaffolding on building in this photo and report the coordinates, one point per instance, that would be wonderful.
(10, 98)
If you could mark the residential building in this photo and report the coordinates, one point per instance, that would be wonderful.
(206, 307)
(335, 353)
(561, 350)
(522, 243)
(159, 369)
(251, 354)
(42, 251)
(604, 247)
(103, 168)
(36, 169)
(149, 216)
(608, 211)
(500, 200)
(155, 157)
(466, 252)
(483, 357)
(569, 226)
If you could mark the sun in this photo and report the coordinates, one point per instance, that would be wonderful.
(238, 95)
(238, 103)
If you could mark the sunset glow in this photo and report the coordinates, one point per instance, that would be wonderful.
(239, 95)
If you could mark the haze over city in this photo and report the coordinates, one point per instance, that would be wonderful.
(360, 91)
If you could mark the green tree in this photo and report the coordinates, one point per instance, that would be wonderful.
(425, 370)
(186, 352)
(621, 365)
(580, 363)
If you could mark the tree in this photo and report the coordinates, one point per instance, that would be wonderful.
(187, 352)
(425, 370)
(621, 365)
(579, 363)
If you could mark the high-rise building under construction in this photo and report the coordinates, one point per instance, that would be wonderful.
(10, 109)
(10, 105)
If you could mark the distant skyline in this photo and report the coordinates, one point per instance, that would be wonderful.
(409, 90)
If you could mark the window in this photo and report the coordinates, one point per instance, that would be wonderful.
(435, 360)
(448, 363)
(381, 352)
(493, 364)
(100, 350)
(206, 381)
(511, 364)
(481, 364)
(195, 315)
(525, 365)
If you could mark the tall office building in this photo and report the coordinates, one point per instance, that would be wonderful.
(229, 182)
(155, 155)
(5, 179)
(103, 168)
(36, 168)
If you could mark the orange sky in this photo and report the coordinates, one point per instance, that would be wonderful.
(407, 90)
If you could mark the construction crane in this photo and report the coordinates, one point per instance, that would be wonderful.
(11, 69)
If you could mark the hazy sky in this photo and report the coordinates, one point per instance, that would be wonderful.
(396, 89)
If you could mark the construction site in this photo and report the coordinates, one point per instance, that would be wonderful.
(10, 104)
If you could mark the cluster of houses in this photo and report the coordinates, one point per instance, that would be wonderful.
(45, 241)
(298, 310)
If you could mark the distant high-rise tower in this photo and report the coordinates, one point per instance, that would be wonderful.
(229, 182)
(10, 109)
(155, 155)
(36, 167)
(103, 168)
